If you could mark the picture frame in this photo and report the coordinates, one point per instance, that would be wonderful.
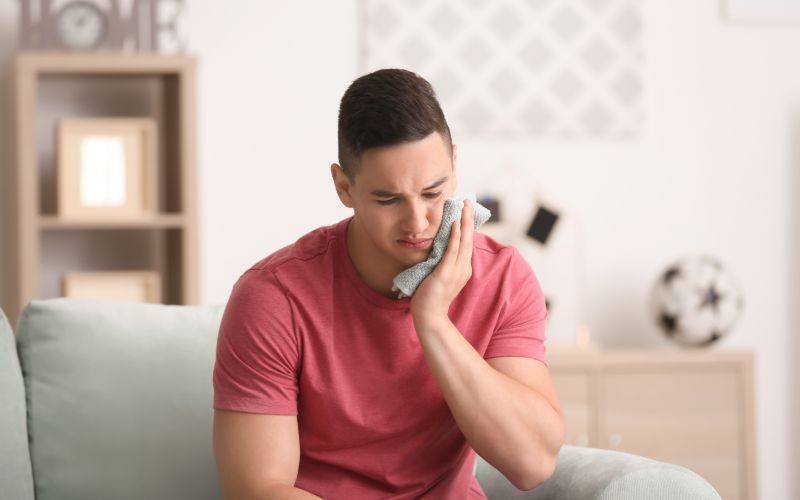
(106, 168)
(130, 286)
(772, 12)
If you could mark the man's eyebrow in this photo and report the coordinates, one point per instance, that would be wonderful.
(381, 193)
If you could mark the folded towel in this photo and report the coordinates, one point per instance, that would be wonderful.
(408, 281)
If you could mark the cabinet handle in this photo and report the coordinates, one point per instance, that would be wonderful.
(614, 440)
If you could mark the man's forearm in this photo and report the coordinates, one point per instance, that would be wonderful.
(507, 423)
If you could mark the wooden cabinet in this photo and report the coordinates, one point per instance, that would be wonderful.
(693, 409)
(41, 245)
(575, 390)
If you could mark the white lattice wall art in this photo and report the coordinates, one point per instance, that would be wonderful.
(518, 68)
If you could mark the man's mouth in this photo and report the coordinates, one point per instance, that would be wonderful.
(422, 244)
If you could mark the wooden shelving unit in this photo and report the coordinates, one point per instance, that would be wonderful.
(42, 245)
(50, 222)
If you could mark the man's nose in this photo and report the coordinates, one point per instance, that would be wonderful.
(416, 218)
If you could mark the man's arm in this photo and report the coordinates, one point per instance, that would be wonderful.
(257, 456)
(507, 407)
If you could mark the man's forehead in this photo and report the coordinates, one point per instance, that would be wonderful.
(388, 189)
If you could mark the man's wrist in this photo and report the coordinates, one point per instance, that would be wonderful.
(430, 320)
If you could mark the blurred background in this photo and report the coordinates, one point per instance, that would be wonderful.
(655, 129)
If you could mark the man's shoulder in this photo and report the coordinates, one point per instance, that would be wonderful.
(302, 253)
(486, 247)
(490, 257)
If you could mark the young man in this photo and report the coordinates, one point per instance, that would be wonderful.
(327, 385)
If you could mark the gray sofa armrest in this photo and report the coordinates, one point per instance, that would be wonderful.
(594, 474)
(16, 479)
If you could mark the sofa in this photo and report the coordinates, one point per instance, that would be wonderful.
(112, 400)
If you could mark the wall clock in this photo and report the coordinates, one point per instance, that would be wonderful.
(81, 25)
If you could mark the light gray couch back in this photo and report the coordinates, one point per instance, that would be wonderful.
(119, 399)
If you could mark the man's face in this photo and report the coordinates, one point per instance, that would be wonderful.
(398, 197)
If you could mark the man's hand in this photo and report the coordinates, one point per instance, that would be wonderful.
(433, 297)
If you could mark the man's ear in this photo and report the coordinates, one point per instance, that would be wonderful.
(342, 185)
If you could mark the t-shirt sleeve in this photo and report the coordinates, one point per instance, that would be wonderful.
(258, 352)
(521, 325)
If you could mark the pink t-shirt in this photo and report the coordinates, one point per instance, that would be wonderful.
(303, 335)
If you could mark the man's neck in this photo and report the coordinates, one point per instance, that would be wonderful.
(372, 269)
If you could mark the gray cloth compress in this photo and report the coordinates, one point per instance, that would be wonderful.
(408, 281)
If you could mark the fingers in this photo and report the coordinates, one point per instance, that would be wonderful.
(451, 252)
(467, 233)
(459, 248)
(455, 241)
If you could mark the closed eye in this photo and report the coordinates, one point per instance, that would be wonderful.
(430, 196)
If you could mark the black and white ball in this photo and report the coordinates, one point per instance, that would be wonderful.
(696, 301)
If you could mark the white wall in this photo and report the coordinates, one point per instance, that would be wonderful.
(271, 75)
(715, 171)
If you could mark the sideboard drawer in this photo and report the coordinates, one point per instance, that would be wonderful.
(575, 391)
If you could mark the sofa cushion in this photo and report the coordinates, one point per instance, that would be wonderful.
(596, 474)
(120, 399)
(15, 462)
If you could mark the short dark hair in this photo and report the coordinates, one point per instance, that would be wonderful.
(384, 108)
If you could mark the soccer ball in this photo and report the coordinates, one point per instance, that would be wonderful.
(696, 301)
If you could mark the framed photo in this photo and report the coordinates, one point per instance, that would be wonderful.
(106, 168)
(131, 286)
(762, 11)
